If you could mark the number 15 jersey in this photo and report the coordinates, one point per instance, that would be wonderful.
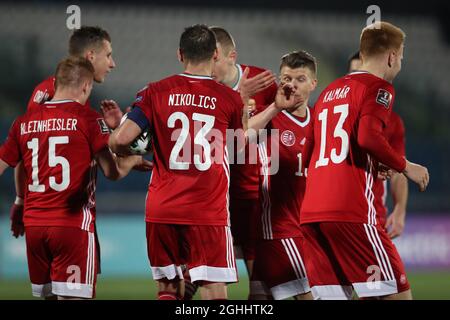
(188, 116)
(341, 174)
(57, 143)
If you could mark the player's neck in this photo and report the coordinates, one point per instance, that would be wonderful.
(201, 69)
(375, 68)
(232, 78)
(66, 95)
(300, 111)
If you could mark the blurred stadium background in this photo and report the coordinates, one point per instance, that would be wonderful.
(145, 36)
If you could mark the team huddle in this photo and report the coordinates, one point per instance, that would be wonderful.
(295, 190)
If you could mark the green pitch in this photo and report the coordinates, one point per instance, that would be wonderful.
(424, 285)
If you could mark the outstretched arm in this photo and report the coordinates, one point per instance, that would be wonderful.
(372, 139)
(115, 167)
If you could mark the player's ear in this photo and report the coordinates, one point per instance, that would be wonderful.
(215, 54)
(179, 55)
(391, 59)
(89, 55)
(233, 55)
(313, 84)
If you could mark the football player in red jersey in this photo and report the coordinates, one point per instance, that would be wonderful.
(260, 89)
(395, 134)
(345, 247)
(187, 212)
(94, 44)
(59, 144)
(278, 262)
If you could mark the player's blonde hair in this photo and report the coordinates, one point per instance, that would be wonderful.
(379, 38)
(71, 72)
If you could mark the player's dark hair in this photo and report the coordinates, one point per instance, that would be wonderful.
(71, 72)
(224, 38)
(354, 56)
(299, 59)
(197, 43)
(87, 37)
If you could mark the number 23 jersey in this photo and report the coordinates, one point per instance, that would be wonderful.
(188, 117)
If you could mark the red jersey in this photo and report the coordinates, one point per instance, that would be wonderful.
(43, 92)
(395, 134)
(188, 117)
(245, 177)
(281, 193)
(57, 144)
(341, 174)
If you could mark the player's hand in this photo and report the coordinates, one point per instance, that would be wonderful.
(286, 97)
(249, 87)
(251, 107)
(418, 174)
(16, 216)
(395, 223)
(384, 172)
(144, 165)
(111, 113)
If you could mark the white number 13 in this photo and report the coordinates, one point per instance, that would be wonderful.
(339, 132)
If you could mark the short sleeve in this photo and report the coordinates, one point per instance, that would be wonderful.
(10, 150)
(378, 101)
(98, 132)
(144, 103)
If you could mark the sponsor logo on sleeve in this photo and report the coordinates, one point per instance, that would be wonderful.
(384, 98)
(103, 127)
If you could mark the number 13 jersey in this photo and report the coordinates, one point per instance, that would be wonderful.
(341, 174)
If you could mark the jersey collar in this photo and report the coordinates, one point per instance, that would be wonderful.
(194, 76)
(296, 121)
(236, 86)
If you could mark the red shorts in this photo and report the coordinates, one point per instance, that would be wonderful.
(279, 266)
(341, 255)
(207, 252)
(243, 216)
(62, 261)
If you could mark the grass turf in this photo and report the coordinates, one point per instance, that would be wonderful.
(424, 286)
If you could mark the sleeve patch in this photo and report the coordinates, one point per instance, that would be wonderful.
(103, 127)
(384, 98)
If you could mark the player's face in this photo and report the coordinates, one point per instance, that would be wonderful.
(222, 64)
(102, 61)
(397, 66)
(302, 79)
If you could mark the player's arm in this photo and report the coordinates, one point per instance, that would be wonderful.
(399, 193)
(10, 157)
(115, 167)
(395, 223)
(372, 139)
(3, 166)
(122, 137)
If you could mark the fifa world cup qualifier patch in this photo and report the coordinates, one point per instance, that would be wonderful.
(384, 97)
(103, 127)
